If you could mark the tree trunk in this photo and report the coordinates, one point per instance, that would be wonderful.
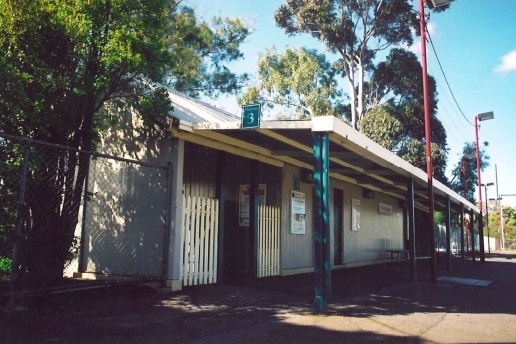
(54, 199)
(54, 205)
(360, 97)
(351, 83)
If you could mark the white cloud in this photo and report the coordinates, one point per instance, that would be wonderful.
(430, 27)
(416, 46)
(508, 63)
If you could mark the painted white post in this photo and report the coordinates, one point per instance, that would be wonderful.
(175, 247)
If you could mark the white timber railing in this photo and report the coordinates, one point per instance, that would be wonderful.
(268, 241)
(200, 240)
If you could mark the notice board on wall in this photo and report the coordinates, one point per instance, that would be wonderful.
(297, 211)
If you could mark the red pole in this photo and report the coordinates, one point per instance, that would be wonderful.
(481, 220)
(465, 196)
(428, 139)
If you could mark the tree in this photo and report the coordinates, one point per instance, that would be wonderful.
(396, 116)
(356, 30)
(465, 174)
(382, 125)
(62, 61)
(510, 227)
(200, 53)
(299, 82)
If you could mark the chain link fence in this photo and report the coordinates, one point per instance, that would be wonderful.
(125, 218)
(55, 199)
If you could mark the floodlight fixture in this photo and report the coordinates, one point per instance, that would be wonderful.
(485, 116)
(437, 3)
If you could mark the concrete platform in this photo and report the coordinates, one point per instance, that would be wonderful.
(368, 305)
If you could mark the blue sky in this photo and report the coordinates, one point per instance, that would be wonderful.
(475, 41)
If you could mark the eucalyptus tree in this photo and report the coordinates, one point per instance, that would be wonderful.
(62, 61)
(396, 115)
(298, 83)
(465, 172)
(355, 30)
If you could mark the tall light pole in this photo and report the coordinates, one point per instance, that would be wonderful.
(428, 139)
(428, 136)
(480, 117)
(487, 216)
(464, 157)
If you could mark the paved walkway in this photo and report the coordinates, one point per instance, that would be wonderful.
(368, 305)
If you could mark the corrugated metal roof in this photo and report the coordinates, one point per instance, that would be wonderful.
(195, 111)
(353, 157)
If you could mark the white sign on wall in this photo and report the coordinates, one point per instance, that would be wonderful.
(384, 208)
(298, 211)
(355, 215)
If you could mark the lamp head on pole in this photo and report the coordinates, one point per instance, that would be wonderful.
(437, 3)
(485, 116)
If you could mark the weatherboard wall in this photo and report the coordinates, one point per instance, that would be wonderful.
(296, 249)
(125, 213)
(377, 232)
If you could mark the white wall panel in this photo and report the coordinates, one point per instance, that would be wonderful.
(378, 232)
(296, 249)
(126, 211)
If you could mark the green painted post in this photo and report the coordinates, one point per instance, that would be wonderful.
(325, 149)
(322, 268)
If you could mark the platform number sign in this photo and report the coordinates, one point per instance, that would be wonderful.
(251, 116)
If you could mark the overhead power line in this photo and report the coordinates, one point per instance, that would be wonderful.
(445, 78)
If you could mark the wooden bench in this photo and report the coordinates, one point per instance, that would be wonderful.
(398, 255)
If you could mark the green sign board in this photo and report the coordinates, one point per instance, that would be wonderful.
(251, 116)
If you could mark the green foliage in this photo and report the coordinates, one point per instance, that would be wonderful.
(510, 224)
(381, 125)
(387, 107)
(385, 125)
(465, 177)
(200, 53)
(299, 83)
(439, 218)
(10, 162)
(355, 30)
(5, 266)
(398, 81)
(62, 62)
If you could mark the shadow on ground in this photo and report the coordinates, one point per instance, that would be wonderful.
(257, 311)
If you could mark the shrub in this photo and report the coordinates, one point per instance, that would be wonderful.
(5, 266)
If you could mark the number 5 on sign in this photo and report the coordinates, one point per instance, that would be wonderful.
(251, 116)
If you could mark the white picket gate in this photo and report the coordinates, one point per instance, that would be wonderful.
(200, 240)
(268, 241)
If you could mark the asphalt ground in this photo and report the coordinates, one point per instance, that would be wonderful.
(368, 305)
